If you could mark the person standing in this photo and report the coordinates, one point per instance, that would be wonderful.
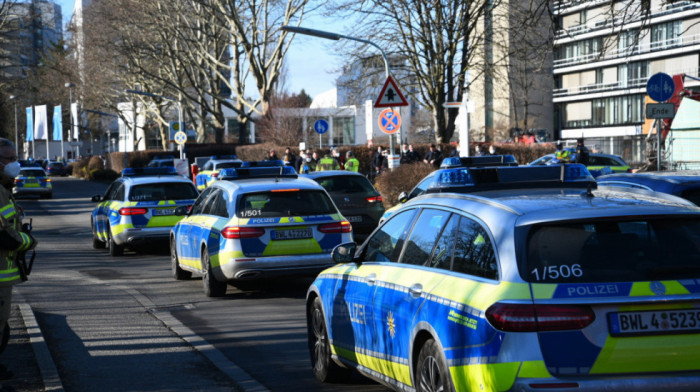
(328, 162)
(272, 156)
(351, 163)
(562, 155)
(292, 158)
(13, 240)
(478, 152)
(433, 156)
(408, 154)
(582, 153)
(378, 163)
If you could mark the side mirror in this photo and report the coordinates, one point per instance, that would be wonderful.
(403, 197)
(344, 253)
(96, 198)
(182, 210)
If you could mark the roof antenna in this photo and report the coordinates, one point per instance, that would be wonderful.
(589, 191)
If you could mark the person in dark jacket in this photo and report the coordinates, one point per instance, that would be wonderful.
(582, 153)
(433, 156)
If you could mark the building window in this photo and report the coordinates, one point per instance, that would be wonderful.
(628, 42)
(343, 131)
(633, 74)
(623, 110)
(666, 35)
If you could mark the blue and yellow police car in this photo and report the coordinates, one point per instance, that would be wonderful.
(33, 180)
(211, 168)
(140, 207)
(681, 183)
(254, 223)
(532, 280)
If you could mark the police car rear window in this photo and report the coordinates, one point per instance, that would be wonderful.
(281, 203)
(163, 191)
(613, 251)
(33, 173)
(347, 184)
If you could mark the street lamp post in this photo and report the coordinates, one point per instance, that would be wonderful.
(336, 37)
(14, 98)
(70, 115)
(179, 110)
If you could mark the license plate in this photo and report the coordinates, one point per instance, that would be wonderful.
(654, 322)
(292, 234)
(164, 211)
(354, 219)
(30, 181)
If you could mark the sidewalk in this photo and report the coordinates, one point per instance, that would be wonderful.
(27, 355)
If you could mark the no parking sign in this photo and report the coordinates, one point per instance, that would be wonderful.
(389, 121)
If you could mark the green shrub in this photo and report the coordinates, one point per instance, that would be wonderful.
(402, 179)
(104, 175)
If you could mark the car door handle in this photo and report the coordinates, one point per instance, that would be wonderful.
(371, 279)
(416, 290)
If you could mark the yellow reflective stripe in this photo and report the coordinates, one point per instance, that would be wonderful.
(9, 274)
(8, 211)
(484, 377)
(631, 354)
(398, 371)
(533, 369)
(640, 289)
(26, 241)
(292, 247)
(163, 221)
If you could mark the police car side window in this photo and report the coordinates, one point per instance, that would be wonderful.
(111, 191)
(420, 188)
(474, 254)
(387, 241)
(444, 249)
(423, 237)
(120, 192)
(218, 206)
(210, 204)
(201, 200)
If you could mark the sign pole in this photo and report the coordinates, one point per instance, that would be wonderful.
(658, 141)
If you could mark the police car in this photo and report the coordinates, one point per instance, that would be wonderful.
(140, 207)
(598, 164)
(533, 280)
(210, 170)
(33, 180)
(682, 183)
(255, 223)
(447, 163)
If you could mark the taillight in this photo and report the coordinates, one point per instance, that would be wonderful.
(215, 174)
(630, 170)
(336, 227)
(132, 211)
(45, 180)
(376, 199)
(532, 318)
(237, 232)
(18, 181)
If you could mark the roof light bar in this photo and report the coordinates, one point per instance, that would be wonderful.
(148, 171)
(489, 160)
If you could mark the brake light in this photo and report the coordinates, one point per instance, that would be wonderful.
(630, 170)
(336, 227)
(18, 181)
(132, 211)
(531, 318)
(376, 199)
(215, 174)
(237, 232)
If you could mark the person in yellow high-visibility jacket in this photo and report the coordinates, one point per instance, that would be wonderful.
(351, 163)
(327, 163)
(562, 155)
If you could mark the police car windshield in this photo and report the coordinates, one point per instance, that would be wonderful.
(227, 165)
(346, 184)
(163, 191)
(613, 251)
(281, 203)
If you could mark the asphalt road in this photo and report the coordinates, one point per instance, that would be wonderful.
(124, 324)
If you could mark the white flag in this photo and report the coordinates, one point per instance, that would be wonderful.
(74, 120)
(40, 123)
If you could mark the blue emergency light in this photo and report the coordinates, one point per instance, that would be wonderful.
(257, 172)
(148, 171)
(476, 178)
(273, 163)
(223, 157)
(489, 160)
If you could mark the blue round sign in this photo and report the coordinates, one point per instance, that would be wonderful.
(660, 87)
(321, 126)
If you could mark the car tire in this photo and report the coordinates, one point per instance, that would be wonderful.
(178, 273)
(96, 242)
(115, 249)
(212, 287)
(431, 372)
(323, 366)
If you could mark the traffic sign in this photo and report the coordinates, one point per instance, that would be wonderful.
(321, 126)
(660, 110)
(660, 87)
(390, 95)
(389, 121)
(180, 137)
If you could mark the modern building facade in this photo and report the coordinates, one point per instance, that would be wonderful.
(604, 54)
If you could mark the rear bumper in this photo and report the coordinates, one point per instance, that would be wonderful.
(246, 269)
(143, 236)
(31, 191)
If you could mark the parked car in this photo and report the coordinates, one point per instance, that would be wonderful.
(210, 170)
(56, 168)
(682, 183)
(356, 198)
(534, 280)
(33, 180)
(598, 164)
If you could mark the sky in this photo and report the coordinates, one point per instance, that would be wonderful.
(310, 65)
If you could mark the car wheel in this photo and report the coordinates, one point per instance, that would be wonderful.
(431, 373)
(323, 366)
(96, 242)
(212, 287)
(178, 273)
(114, 248)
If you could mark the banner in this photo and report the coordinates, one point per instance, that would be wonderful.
(74, 120)
(57, 123)
(30, 125)
(40, 123)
